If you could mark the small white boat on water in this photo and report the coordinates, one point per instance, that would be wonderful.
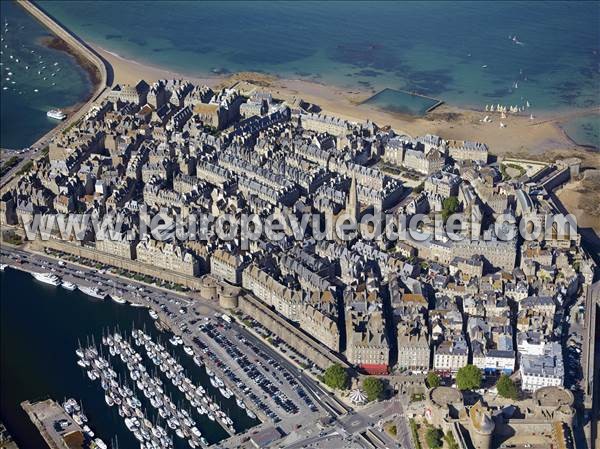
(46, 278)
(93, 292)
(118, 299)
(3, 266)
(153, 314)
(68, 285)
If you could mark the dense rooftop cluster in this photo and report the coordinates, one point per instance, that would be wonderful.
(383, 305)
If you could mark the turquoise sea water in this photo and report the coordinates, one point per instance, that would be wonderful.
(22, 109)
(434, 48)
(584, 130)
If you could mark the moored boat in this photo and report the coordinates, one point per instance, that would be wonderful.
(93, 292)
(68, 285)
(46, 278)
(118, 299)
(56, 114)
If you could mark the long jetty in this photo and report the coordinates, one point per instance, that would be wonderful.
(78, 46)
(72, 40)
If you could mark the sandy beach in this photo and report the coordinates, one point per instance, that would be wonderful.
(539, 139)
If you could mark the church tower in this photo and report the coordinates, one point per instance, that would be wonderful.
(353, 206)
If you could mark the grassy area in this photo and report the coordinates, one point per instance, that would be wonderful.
(392, 430)
(10, 163)
(25, 168)
(416, 397)
(517, 167)
(414, 430)
(12, 238)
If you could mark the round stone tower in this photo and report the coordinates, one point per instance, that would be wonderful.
(481, 426)
(228, 296)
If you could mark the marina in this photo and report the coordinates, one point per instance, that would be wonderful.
(62, 425)
(40, 317)
(37, 82)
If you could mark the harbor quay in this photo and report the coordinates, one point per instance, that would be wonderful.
(290, 335)
(57, 428)
(167, 310)
(272, 318)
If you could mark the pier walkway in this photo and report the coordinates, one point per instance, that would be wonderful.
(79, 46)
(57, 428)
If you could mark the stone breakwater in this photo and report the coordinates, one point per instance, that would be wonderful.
(75, 46)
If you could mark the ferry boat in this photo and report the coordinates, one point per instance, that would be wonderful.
(68, 285)
(93, 292)
(46, 278)
(56, 114)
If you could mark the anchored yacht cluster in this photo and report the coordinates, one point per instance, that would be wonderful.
(74, 410)
(150, 436)
(197, 396)
(179, 421)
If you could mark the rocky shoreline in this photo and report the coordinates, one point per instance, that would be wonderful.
(56, 43)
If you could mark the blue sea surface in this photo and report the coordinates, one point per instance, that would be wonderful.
(547, 53)
(34, 79)
(584, 130)
(464, 53)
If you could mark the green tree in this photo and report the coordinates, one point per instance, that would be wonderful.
(468, 378)
(449, 206)
(506, 387)
(373, 387)
(336, 377)
(433, 380)
(450, 441)
(433, 437)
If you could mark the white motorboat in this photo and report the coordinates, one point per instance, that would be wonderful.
(118, 299)
(68, 285)
(46, 278)
(93, 292)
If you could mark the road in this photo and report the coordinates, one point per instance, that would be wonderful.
(348, 425)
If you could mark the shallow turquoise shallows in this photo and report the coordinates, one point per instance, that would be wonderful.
(464, 53)
(34, 79)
